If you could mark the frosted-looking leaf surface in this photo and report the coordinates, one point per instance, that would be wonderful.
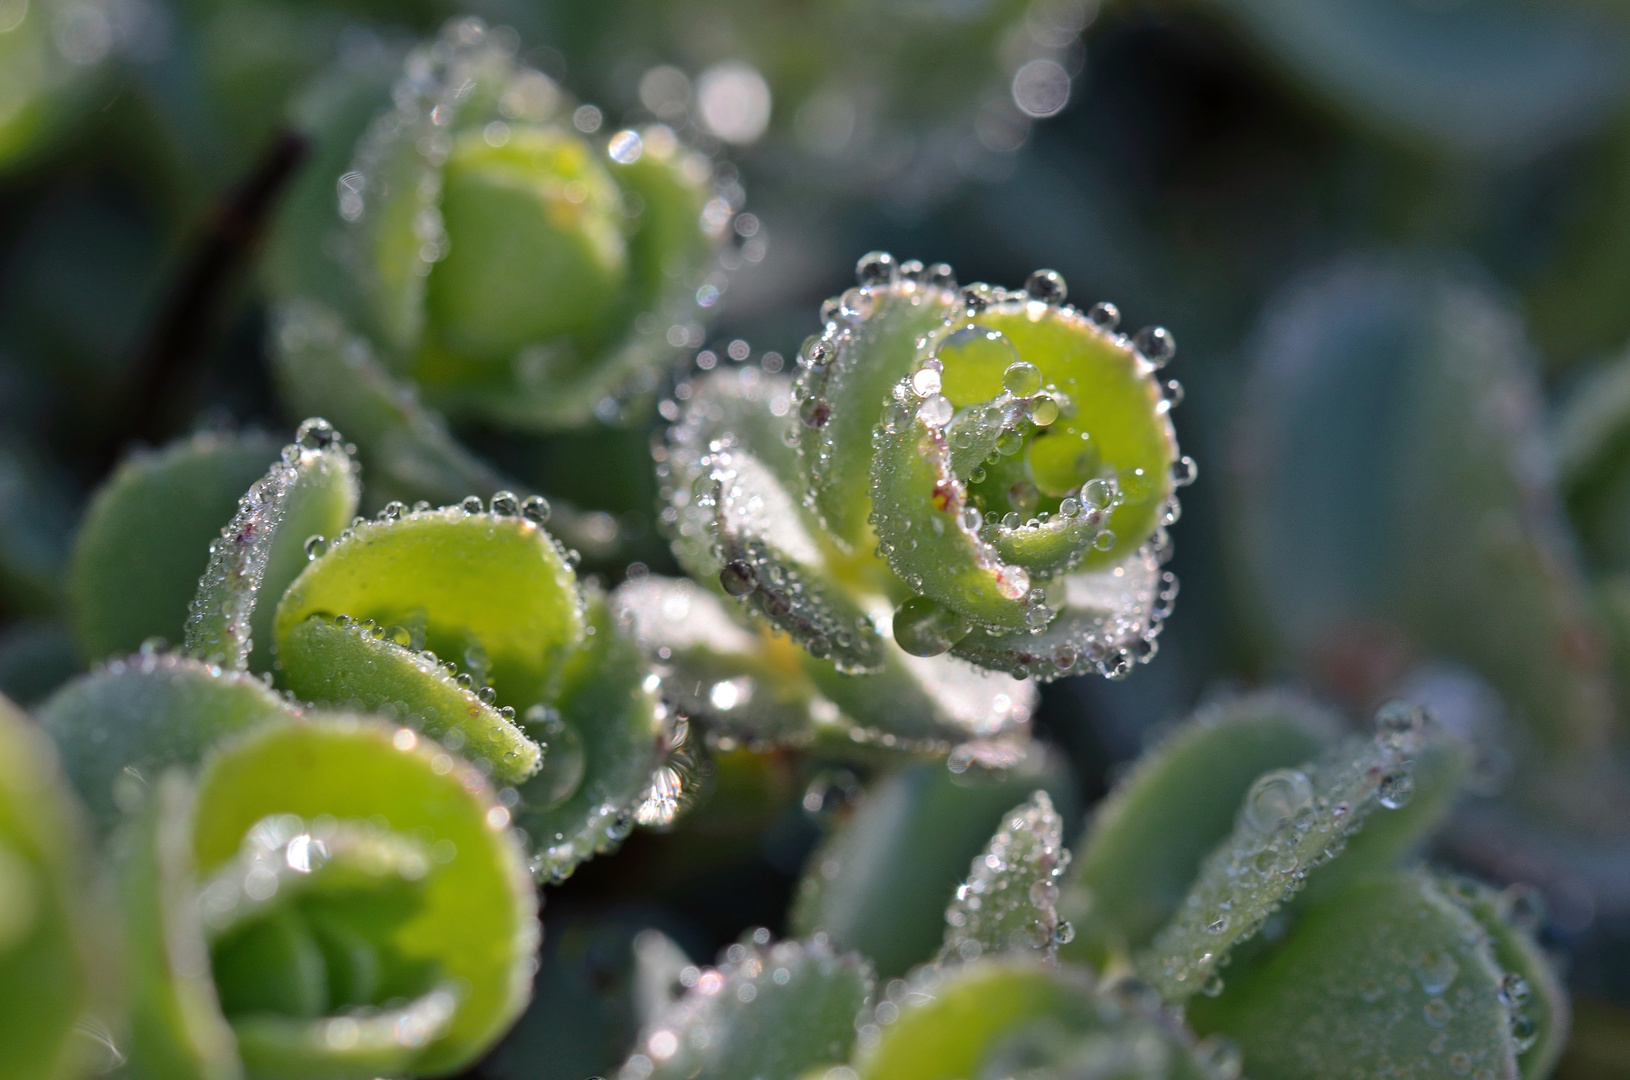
(1010, 900)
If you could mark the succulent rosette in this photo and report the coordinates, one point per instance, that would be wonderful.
(507, 249)
(956, 479)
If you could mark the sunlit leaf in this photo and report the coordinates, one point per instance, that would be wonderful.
(1009, 901)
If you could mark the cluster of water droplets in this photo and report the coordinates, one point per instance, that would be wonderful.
(218, 618)
(1010, 898)
(715, 1016)
(1291, 821)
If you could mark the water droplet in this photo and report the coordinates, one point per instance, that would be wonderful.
(1043, 411)
(925, 628)
(1523, 906)
(855, 305)
(1221, 1055)
(876, 268)
(505, 504)
(941, 276)
(1021, 379)
(536, 509)
(1063, 933)
(316, 434)
(1185, 472)
(1276, 798)
(935, 412)
(1437, 1012)
(978, 346)
(1104, 315)
(1096, 494)
(1437, 971)
(1514, 990)
(1400, 724)
(737, 578)
(926, 382)
(316, 547)
(1524, 1032)
(472, 505)
(815, 412)
(1213, 986)
(1047, 286)
(1156, 344)
(1396, 789)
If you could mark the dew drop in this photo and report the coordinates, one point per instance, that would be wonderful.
(1047, 286)
(1437, 1012)
(936, 411)
(1043, 411)
(472, 505)
(1396, 789)
(1514, 990)
(536, 509)
(1276, 798)
(876, 268)
(815, 412)
(1064, 933)
(316, 434)
(505, 504)
(1104, 315)
(316, 547)
(1156, 344)
(1524, 1032)
(941, 276)
(737, 578)
(978, 346)
(926, 382)
(925, 628)
(1021, 379)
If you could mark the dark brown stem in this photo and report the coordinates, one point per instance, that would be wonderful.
(174, 351)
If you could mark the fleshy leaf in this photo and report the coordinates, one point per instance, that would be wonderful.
(1593, 443)
(741, 683)
(881, 883)
(322, 367)
(477, 922)
(1148, 839)
(46, 956)
(845, 378)
(121, 726)
(1007, 1016)
(1291, 821)
(144, 541)
(494, 594)
(603, 741)
(1106, 623)
(766, 1010)
(311, 491)
(1529, 985)
(1009, 901)
(1388, 972)
(355, 667)
(176, 1026)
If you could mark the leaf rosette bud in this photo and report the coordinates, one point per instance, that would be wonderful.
(510, 251)
(1009, 458)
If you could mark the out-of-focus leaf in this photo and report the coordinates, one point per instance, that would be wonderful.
(1593, 459)
(1290, 822)
(603, 740)
(311, 491)
(1346, 535)
(766, 1010)
(1147, 840)
(477, 925)
(881, 883)
(1496, 79)
(346, 666)
(121, 726)
(1389, 971)
(492, 593)
(47, 963)
(144, 541)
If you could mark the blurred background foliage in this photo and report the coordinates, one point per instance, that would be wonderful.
(1391, 236)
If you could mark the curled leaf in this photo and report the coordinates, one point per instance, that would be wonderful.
(310, 491)
(491, 592)
(144, 541)
(352, 666)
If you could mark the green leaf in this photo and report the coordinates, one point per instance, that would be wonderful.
(47, 961)
(493, 593)
(1593, 444)
(604, 740)
(1290, 822)
(1530, 986)
(121, 726)
(1006, 1016)
(766, 1010)
(1147, 840)
(144, 541)
(477, 923)
(176, 1027)
(881, 883)
(1009, 900)
(355, 667)
(311, 491)
(845, 378)
(1346, 546)
(1388, 973)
